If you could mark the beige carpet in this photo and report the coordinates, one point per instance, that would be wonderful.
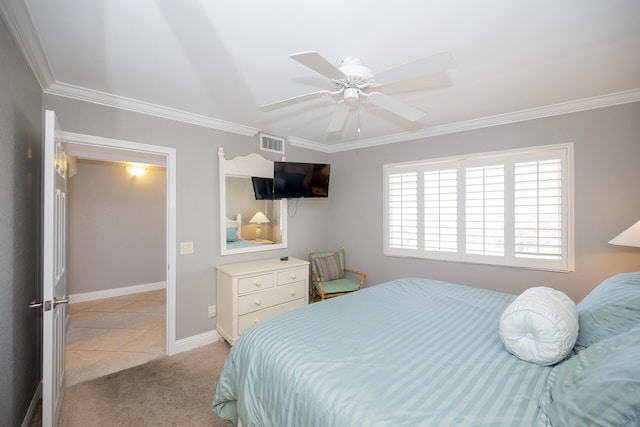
(170, 391)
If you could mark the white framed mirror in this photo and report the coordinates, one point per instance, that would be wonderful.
(246, 224)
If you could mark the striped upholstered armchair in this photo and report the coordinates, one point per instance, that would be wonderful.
(330, 278)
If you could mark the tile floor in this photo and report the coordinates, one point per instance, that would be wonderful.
(109, 335)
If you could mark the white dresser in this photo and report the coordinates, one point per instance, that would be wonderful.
(248, 292)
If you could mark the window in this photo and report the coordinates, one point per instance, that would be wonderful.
(509, 208)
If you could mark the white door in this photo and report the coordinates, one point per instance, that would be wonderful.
(54, 295)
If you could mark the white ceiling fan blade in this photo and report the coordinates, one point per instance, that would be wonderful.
(318, 64)
(395, 106)
(339, 117)
(428, 82)
(294, 100)
(429, 65)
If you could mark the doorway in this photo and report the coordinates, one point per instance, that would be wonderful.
(112, 150)
(117, 271)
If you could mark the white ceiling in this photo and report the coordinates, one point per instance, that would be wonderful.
(213, 63)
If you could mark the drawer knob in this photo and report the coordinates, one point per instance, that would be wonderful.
(258, 301)
(258, 284)
(292, 275)
(292, 292)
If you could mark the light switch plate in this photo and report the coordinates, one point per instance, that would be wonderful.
(186, 248)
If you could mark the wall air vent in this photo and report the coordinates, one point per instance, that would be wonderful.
(271, 143)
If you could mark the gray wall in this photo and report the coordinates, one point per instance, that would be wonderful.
(607, 152)
(20, 193)
(117, 227)
(197, 197)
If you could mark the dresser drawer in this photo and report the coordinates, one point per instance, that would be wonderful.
(251, 319)
(293, 275)
(261, 300)
(255, 283)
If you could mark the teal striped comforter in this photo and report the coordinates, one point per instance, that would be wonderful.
(411, 352)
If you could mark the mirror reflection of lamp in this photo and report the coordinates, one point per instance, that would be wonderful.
(259, 219)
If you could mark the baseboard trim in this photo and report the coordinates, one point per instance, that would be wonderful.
(117, 292)
(195, 341)
(32, 406)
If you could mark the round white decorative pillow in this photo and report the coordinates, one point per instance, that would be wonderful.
(540, 326)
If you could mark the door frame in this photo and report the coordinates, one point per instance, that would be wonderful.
(96, 147)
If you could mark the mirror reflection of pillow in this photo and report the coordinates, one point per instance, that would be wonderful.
(232, 234)
(540, 326)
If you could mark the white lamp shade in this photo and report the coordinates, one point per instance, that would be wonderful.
(259, 218)
(629, 237)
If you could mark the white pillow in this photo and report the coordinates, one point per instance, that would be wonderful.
(540, 326)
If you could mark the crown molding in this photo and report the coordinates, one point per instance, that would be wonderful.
(310, 145)
(124, 103)
(608, 100)
(20, 24)
(584, 104)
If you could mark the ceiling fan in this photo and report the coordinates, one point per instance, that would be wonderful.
(352, 82)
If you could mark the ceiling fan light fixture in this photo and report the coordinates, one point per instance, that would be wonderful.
(351, 95)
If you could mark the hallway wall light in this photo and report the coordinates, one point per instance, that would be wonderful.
(136, 170)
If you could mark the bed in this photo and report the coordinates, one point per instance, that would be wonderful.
(234, 234)
(418, 352)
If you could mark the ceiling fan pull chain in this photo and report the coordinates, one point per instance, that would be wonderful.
(358, 114)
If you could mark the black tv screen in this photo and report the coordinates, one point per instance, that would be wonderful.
(293, 180)
(263, 188)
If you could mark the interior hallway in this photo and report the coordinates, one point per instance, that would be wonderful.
(113, 334)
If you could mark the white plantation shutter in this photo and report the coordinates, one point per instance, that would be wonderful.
(440, 210)
(510, 208)
(484, 212)
(538, 209)
(403, 210)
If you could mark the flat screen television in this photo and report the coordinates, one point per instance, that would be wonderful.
(263, 188)
(293, 180)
